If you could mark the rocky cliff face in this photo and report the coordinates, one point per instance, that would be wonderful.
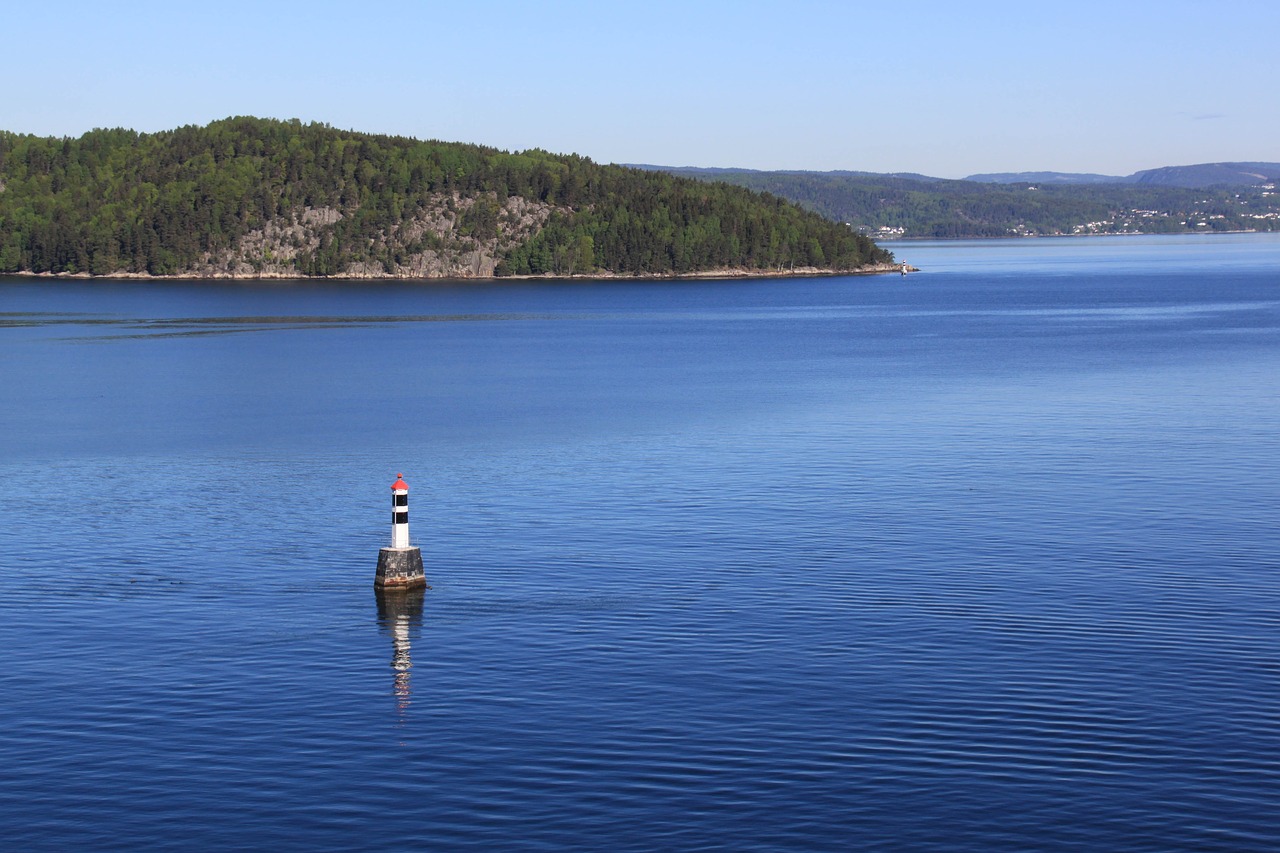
(436, 243)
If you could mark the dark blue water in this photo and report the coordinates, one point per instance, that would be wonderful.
(983, 558)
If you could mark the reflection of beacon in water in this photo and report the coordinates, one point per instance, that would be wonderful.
(399, 612)
(400, 565)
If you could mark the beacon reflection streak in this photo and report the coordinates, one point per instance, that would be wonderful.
(400, 615)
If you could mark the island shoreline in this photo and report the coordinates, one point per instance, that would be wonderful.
(721, 274)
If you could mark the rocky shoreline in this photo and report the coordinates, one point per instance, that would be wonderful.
(721, 273)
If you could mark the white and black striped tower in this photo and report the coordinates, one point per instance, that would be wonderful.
(399, 513)
(400, 565)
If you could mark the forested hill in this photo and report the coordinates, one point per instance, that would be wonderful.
(917, 206)
(247, 196)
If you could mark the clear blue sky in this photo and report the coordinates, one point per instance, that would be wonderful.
(943, 88)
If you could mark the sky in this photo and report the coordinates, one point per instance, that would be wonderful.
(941, 88)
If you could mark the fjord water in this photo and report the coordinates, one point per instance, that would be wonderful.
(985, 557)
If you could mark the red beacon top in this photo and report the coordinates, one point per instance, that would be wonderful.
(399, 485)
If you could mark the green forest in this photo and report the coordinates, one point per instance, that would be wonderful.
(122, 202)
(915, 206)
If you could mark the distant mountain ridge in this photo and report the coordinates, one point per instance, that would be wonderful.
(1211, 174)
(1046, 178)
(1201, 175)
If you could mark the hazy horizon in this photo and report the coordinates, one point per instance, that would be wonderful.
(935, 89)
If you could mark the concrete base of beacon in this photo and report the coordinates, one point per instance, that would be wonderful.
(400, 568)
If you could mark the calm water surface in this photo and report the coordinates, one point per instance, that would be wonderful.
(982, 558)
